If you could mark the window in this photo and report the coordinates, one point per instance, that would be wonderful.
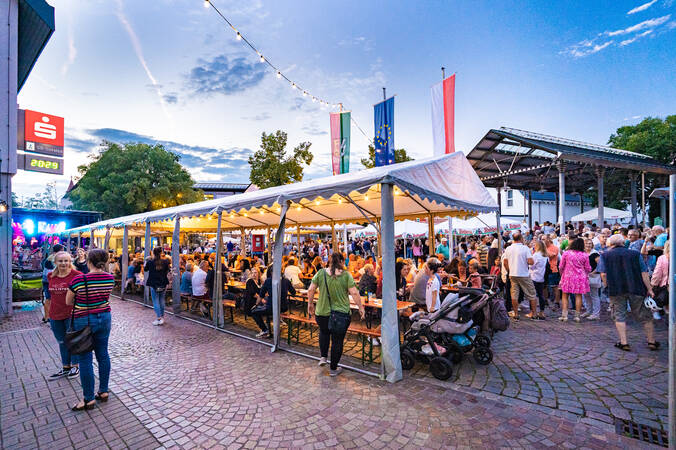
(510, 198)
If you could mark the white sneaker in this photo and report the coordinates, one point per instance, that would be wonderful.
(156, 322)
(323, 362)
(374, 341)
(263, 334)
(161, 321)
(335, 373)
(593, 317)
(586, 314)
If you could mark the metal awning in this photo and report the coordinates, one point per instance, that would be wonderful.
(526, 160)
(36, 25)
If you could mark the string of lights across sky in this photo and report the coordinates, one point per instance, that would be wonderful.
(280, 75)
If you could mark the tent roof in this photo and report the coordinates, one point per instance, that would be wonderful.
(608, 213)
(444, 185)
(527, 160)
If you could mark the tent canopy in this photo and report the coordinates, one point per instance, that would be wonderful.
(608, 213)
(483, 223)
(402, 229)
(444, 186)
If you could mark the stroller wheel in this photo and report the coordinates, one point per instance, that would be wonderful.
(441, 368)
(483, 355)
(482, 341)
(407, 359)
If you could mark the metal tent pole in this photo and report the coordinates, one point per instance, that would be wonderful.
(79, 239)
(430, 234)
(218, 277)
(672, 311)
(530, 209)
(146, 255)
(176, 267)
(599, 174)
(106, 240)
(242, 242)
(450, 238)
(497, 221)
(632, 187)
(277, 275)
(643, 198)
(334, 238)
(390, 359)
(92, 239)
(125, 259)
(562, 198)
(345, 240)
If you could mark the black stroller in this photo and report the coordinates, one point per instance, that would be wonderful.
(442, 338)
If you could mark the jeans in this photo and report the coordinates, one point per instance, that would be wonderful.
(258, 318)
(59, 328)
(158, 297)
(100, 326)
(336, 341)
(592, 301)
(539, 290)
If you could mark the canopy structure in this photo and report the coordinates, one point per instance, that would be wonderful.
(402, 229)
(441, 186)
(608, 213)
(481, 224)
(508, 158)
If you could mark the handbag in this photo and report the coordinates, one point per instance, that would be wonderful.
(661, 295)
(80, 341)
(339, 321)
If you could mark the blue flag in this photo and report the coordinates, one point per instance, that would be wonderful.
(383, 118)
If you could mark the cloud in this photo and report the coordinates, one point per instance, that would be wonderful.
(258, 117)
(171, 98)
(225, 76)
(635, 38)
(139, 54)
(72, 51)
(586, 48)
(313, 130)
(359, 41)
(650, 23)
(642, 7)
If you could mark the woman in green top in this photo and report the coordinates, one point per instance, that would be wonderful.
(336, 285)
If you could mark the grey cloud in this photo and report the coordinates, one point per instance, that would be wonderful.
(258, 117)
(225, 76)
(314, 130)
(171, 98)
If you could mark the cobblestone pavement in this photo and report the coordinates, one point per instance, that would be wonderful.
(184, 385)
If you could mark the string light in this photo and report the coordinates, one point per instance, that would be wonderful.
(206, 3)
(239, 36)
(279, 74)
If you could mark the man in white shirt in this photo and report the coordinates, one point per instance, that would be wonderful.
(199, 284)
(517, 258)
(292, 273)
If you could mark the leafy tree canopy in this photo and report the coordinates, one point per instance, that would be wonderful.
(271, 166)
(400, 155)
(132, 178)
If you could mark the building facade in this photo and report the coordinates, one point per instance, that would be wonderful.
(514, 205)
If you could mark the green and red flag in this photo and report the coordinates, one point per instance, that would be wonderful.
(340, 142)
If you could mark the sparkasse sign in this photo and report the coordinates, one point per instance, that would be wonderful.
(41, 133)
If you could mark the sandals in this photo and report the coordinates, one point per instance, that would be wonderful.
(99, 396)
(623, 347)
(653, 346)
(90, 405)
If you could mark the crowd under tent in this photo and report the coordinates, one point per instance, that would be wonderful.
(440, 186)
(508, 158)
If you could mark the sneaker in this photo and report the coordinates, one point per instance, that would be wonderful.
(335, 373)
(322, 361)
(577, 318)
(161, 320)
(375, 342)
(263, 334)
(586, 314)
(563, 318)
(593, 317)
(60, 374)
(156, 322)
(73, 372)
(511, 314)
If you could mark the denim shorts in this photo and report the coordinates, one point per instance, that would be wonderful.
(553, 279)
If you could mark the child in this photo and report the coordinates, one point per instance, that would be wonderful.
(474, 279)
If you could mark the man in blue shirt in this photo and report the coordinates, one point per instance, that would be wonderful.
(625, 274)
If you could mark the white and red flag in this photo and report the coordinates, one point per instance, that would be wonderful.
(443, 116)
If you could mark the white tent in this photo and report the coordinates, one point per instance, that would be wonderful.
(402, 229)
(483, 223)
(608, 214)
(439, 186)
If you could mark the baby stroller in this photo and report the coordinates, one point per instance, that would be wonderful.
(442, 338)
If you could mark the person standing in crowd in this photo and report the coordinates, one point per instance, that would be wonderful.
(157, 271)
(59, 312)
(537, 274)
(660, 278)
(517, 259)
(592, 299)
(89, 294)
(635, 241)
(482, 251)
(336, 285)
(418, 292)
(417, 251)
(552, 273)
(575, 271)
(80, 262)
(625, 274)
(442, 249)
(47, 267)
(433, 287)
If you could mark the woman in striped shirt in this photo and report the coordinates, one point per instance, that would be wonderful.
(89, 293)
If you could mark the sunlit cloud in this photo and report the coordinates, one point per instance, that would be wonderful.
(642, 7)
(650, 23)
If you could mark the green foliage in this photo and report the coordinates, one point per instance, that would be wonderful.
(46, 200)
(271, 166)
(400, 155)
(132, 178)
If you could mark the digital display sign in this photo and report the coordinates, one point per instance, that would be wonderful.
(37, 163)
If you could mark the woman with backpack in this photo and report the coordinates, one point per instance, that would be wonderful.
(332, 312)
(157, 273)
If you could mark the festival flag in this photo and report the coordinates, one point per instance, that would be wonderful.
(383, 118)
(340, 142)
(443, 116)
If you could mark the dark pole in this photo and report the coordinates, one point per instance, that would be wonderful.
(443, 73)
(384, 95)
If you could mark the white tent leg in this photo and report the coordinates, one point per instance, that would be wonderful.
(146, 255)
(277, 275)
(562, 198)
(218, 277)
(599, 174)
(390, 358)
(176, 267)
(125, 259)
(672, 312)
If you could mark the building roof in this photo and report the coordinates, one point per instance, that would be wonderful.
(36, 25)
(229, 187)
(527, 160)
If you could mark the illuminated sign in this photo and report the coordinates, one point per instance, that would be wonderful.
(40, 133)
(28, 227)
(37, 163)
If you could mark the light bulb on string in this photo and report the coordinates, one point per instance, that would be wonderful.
(293, 85)
(304, 93)
(238, 37)
(262, 58)
(206, 3)
(279, 74)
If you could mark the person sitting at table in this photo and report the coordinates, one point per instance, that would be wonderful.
(401, 270)
(417, 292)
(460, 274)
(186, 280)
(264, 305)
(245, 267)
(252, 290)
(199, 285)
(368, 282)
(292, 272)
(474, 279)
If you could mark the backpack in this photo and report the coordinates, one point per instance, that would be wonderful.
(499, 316)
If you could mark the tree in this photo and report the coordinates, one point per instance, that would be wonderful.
(46, 200)
(271, 166)
(400, 155)
(132, 178)
(653, 137)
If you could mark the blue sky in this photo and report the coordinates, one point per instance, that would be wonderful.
(170, 71)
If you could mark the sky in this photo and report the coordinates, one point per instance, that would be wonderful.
(172, 72)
